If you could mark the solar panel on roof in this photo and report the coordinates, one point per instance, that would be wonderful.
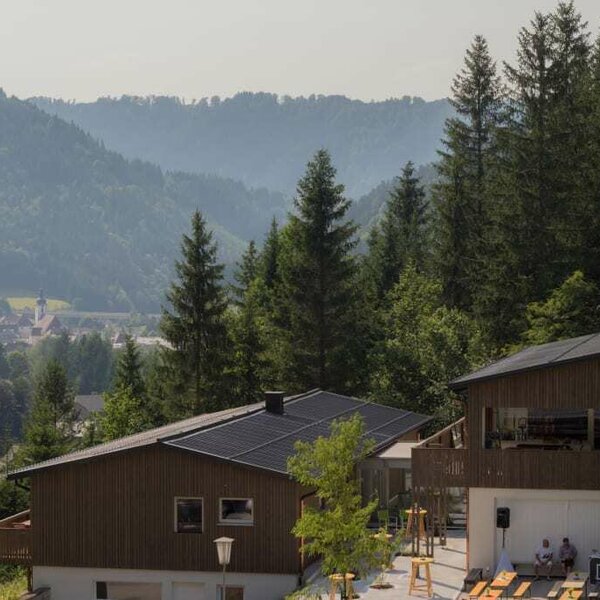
(266, 440)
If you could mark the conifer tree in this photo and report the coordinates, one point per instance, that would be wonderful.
(129, 369)
(248, 333)
(49, 426)
(195, 327)
(247, 271)
(270, 257)
(53, 388)
(401, 236)
(460, 196)
(318, 275)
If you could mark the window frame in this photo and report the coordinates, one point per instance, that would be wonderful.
(220, 588)
(176, 499)
(239, 523)
(159, 584)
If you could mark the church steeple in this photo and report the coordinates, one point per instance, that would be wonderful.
(40, 307)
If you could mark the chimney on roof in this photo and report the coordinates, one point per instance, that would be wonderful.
(274, 402)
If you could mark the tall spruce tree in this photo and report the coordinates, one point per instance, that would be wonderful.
(49, 426)
(270, 256)
(195, 327)
(317, 291)
(460, 196)
(129, 369)
(53, 388)
(401, 237)
(247, 271)
(539, 202)
(247, 328)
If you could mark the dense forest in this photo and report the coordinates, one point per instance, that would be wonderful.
(262, 139)
(99, 230)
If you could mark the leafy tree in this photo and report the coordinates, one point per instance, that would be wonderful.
(91, 364)
(4, 365)
(195, 326)
(124, 414)
(18, 363)
(571, 310)
(401, 237)
(461, 193)
(317, 283)
(337, 532)
(427, 344)
(129, 369)
(10, 415)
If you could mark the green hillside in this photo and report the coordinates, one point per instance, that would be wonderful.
(264, 139)
(100, 231)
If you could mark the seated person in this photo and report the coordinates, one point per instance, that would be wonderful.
(566, 554)
(543, 559)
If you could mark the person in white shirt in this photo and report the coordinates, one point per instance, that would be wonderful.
(543, 559)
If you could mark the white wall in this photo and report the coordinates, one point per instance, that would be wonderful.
(535, 514)
(79, 584)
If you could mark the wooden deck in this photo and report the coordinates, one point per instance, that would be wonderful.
(15, 540)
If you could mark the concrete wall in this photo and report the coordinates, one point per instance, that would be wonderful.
(535, 514)
(74, 583)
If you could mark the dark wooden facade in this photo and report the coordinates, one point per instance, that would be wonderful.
(117, 511)
(571, 385)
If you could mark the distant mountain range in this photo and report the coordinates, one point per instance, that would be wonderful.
(98, 230)
(264, 140)
(102, 231)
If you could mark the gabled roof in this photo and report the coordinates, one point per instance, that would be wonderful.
(138, 440)
(266, 440)
(250, 435)
(535, 357)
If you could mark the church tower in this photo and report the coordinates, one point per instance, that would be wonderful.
(40, 307)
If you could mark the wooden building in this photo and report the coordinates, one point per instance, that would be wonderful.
(529, 441)
(137, 517)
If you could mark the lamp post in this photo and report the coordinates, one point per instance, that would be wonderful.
(224, 553)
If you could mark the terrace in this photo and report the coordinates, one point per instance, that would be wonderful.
(441, 460)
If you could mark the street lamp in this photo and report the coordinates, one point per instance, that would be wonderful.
(224, 553)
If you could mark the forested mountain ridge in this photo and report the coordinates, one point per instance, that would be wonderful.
(264, 140)
(93, 227)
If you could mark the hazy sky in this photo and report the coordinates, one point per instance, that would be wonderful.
(369, 49)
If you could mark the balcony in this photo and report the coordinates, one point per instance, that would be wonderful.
(15, 540)
(441, 460)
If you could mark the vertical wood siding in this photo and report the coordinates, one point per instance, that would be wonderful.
(117, 512)
(572, 385)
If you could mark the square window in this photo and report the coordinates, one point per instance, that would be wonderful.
(236, 511)
(232, 592)
(189, 515)
(127, 590)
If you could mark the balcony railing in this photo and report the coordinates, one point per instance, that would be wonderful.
(441, 460)
(15, 540)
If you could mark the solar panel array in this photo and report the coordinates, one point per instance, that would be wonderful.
(266, 440)
(536, 357)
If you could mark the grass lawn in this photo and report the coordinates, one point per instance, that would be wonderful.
(12, 590)
(18, 303)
